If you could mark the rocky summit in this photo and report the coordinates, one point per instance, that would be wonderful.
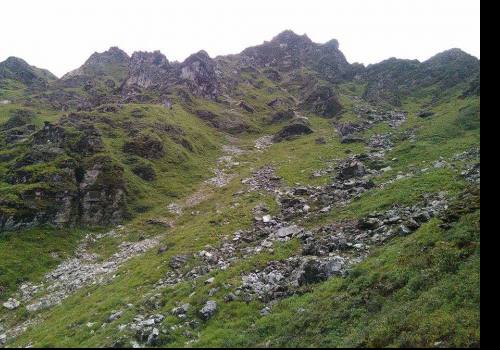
(278, 197)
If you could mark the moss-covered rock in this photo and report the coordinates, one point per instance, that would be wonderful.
(144, 145)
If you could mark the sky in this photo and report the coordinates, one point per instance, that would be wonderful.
(60, 35)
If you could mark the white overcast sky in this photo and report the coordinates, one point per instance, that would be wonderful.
(61, 34)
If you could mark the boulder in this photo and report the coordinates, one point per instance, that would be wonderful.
(145, 172)
(243, 105)
(348, 139)
(153, 337)
(115, 316)
(315, 271)
(178, 261)
(198, 70)
(146, 146)
(352, 170)
(311, 272)
(320, 141)
(323, 101)
(288, 231)
(181, 310)
(11, 304)
(208, 310)
(369, 223)
(293, 130)
(425, 114)
(283, 116)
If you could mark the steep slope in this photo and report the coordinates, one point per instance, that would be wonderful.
(391, 80)
(277, 197)
(17, 76)
(112, 63)
(17, 69)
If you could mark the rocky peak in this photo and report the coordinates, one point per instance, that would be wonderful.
(107, 63)
(198, 70)
(113, 56)
(14, 63)
(148, 69)
(289, 51)
(18, 69)
(289, 37)
(142, 58)
(200, 55)
(453, 57)
(450, 68)
(332, 44)
(393, 78)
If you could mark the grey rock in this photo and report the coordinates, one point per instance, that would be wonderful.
(293, 130)
(178, 261)
(288, 231)
(265, 311)
(425, 114)
(352, 170)
(11, 304)
(208, 310)
(212, 292)
(311, 272)
(348, 139)
(181, 310)
(230, 297)
(153, 336)
(114, 316)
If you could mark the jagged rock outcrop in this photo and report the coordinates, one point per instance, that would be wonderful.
(102, 193)
(148, 70)
(198, 71)
(323, 101)
(296, 128)
(289, 51)
(284, 52)
(66, 183)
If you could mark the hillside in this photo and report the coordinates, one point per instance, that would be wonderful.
(279, 197)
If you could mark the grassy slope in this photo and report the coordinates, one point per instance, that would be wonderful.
(29, 254)
(418, 290)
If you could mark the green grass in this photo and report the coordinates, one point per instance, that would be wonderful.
(28, 255)
(420, 290)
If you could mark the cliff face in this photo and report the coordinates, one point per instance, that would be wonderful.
(64, 181)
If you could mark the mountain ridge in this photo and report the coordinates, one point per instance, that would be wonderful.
(285, 35)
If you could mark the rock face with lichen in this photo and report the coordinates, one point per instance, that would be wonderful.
(148, 70)
(198, 71)
(289, 51)
(80, 188)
